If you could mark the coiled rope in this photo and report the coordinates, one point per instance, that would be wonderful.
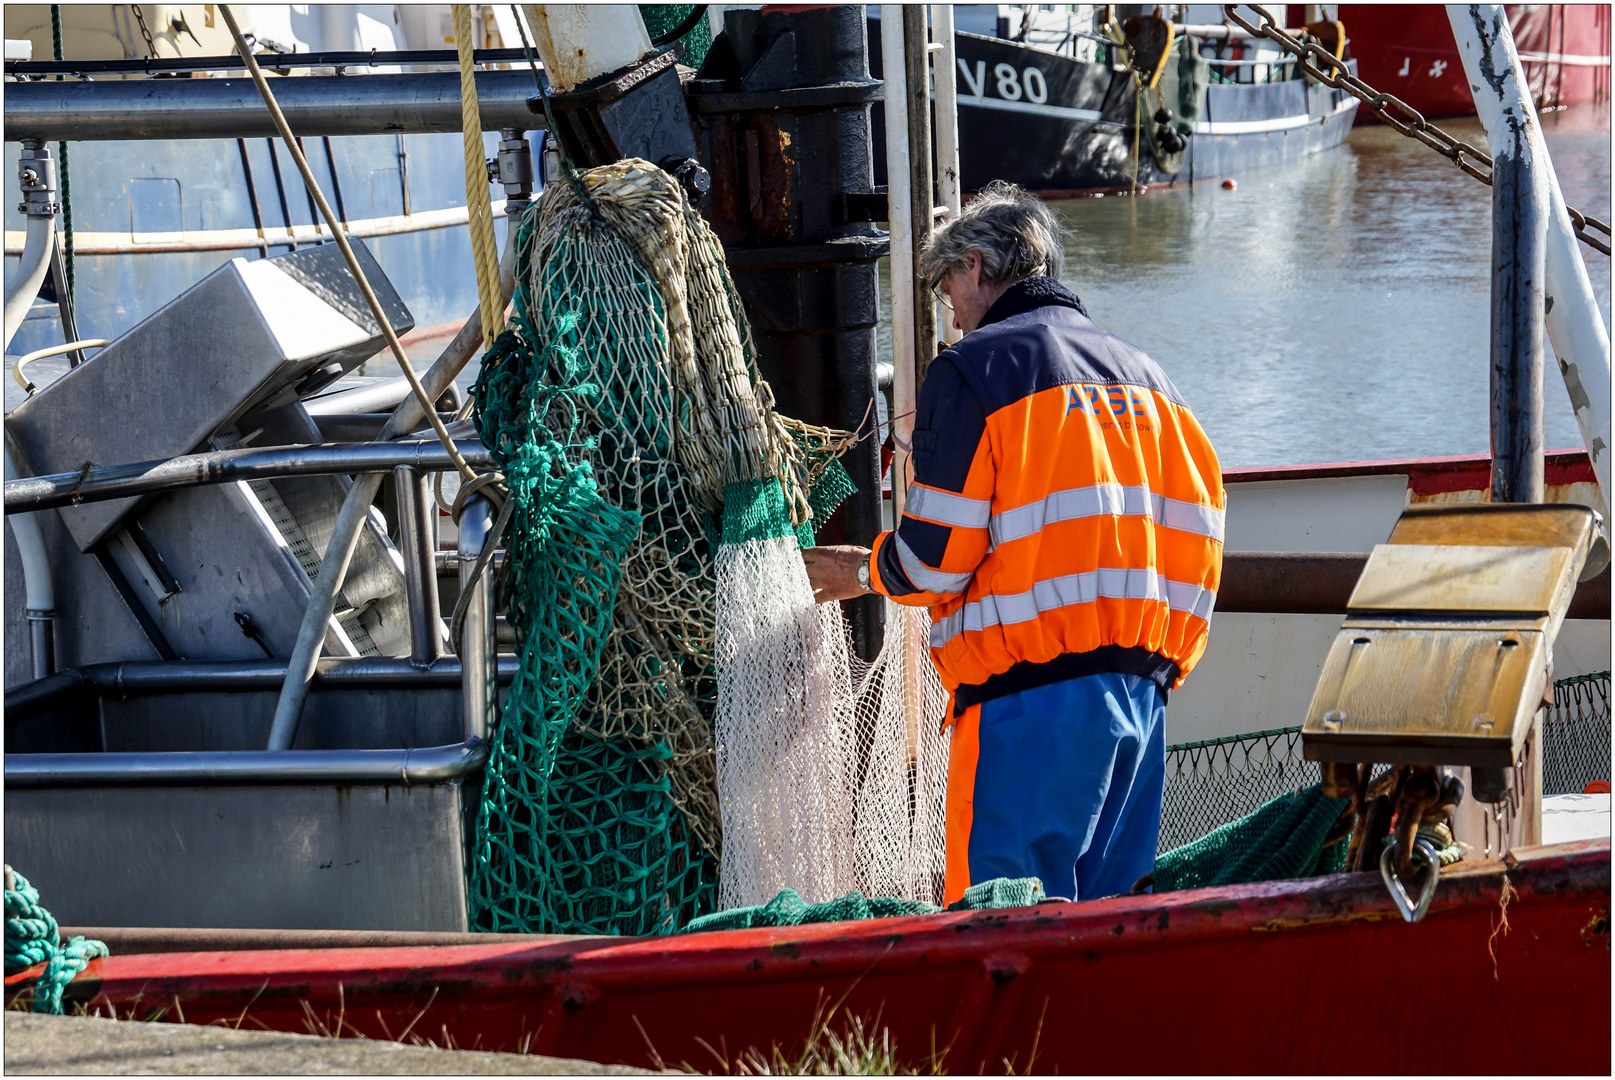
(32, 937)
(484, 250)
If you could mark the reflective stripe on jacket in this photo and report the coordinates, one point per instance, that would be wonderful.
(1064, 501)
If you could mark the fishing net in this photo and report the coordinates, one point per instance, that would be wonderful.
(1286, 837)
(1215, 781)
(789, 909)
(659, 599)
(1575, 735)
(660, 18)
(831, 774)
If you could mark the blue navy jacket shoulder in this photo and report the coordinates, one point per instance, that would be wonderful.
(1038, 348)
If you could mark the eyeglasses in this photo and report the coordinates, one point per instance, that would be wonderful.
(941, 297)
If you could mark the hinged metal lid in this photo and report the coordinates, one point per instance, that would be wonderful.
(1443, 657)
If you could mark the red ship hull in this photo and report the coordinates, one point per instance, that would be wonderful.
(1408, 50)
(1509, 972)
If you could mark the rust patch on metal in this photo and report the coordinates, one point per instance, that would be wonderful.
(1597, 927)
(1215, 906)
(1324, 920)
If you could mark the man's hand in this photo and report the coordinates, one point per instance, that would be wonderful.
(833, 571)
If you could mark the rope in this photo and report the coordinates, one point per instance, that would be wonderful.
(484, 250)
(32, 938)
(67, 184)
(427, 405)
(568, 170)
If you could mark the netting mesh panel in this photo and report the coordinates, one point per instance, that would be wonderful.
(613, 829)
(1211, 783)
(827, 783)
(899, 827)
(1575, 735)
(1214, 782)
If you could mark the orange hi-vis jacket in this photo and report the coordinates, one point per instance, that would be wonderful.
(1066, 512)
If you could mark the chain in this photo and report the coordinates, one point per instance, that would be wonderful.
(1397, 113)
(145, 31)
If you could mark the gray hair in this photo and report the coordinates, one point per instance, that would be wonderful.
(1012, 230)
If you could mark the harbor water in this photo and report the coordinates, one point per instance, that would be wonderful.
(1332, 309)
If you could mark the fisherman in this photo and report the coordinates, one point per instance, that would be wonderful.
(1064, 523)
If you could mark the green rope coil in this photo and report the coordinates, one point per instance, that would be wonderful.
(32, 937)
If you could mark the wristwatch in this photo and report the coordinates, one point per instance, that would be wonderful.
(863, 574)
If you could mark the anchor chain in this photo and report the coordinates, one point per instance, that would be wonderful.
(1334, 74)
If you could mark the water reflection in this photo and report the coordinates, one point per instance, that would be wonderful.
(1335, 309)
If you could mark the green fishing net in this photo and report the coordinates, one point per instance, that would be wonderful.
(579, 831)
(622, 404)
(789, 909)
(660, 18)
(1285, 838)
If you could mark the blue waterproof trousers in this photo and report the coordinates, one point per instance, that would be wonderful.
(1062, 782)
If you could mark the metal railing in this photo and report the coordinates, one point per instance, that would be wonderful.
(1215, 781)
(478, 672)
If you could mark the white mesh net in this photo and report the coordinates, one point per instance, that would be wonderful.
(831, 773)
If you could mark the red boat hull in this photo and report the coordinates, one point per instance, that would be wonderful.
(1306, 976)
(1408, 50)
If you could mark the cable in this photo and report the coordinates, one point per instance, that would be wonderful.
(667, 37)
(67, 185)
(426, 403)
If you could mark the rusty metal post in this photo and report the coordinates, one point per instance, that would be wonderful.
(781, 110)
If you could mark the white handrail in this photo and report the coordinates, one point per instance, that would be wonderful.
(945, 77)
(899, 220)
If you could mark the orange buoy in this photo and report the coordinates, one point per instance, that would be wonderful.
(1229, 184)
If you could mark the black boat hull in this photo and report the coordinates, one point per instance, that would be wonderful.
(1059, 126)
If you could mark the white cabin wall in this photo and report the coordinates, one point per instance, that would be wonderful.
(1259, 669)
(1345, 514)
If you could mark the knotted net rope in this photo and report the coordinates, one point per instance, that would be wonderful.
(32, 938)
(624, 407)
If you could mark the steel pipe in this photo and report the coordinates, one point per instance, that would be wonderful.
(39, 594)
(152, 65)
(479, 697)
(314, 105)
(946, 74)
(418, 545)
(922, 193)
(382, 395)
(358, 427)
(143, 678)
(229, 466)
(421, 765)
(30, 274)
